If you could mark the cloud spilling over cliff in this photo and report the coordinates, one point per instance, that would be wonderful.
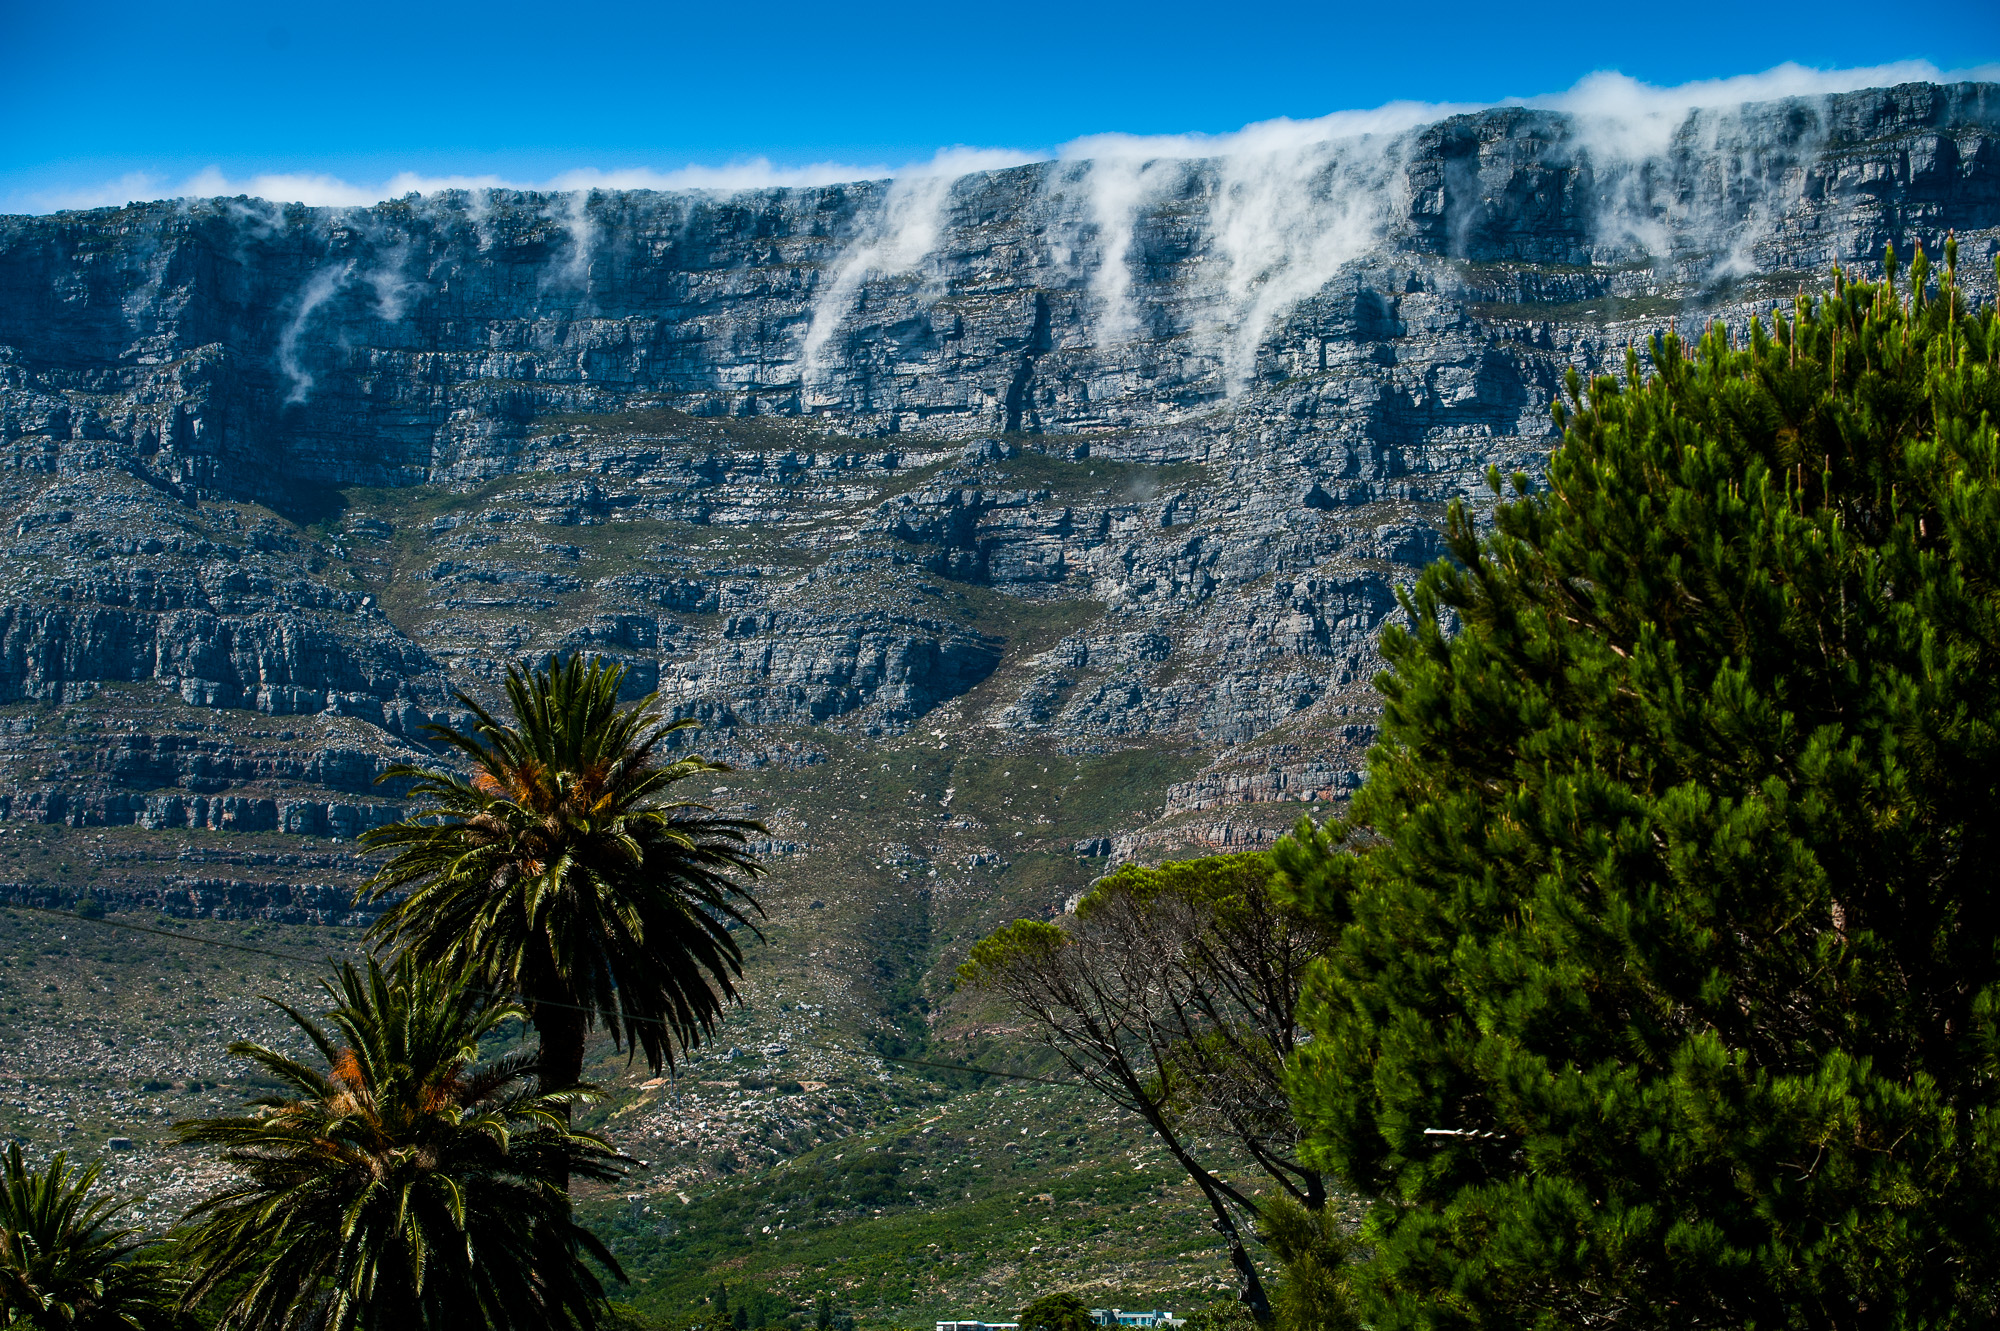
(1282, 206)
(1130, 283)
(1640, 113)
(1129, 447)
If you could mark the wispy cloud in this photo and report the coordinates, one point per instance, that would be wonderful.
(1606, 95)
(320, 190)
(1644, 108)
(1296, 200)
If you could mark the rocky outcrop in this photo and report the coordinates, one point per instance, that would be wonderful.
(1094, 456)
(111, 580)
(235, 347)
(283, 900)
(1278, 773)
(199, 763)
(230, 813)
(778, 668)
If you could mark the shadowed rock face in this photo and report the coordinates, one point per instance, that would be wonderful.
(1094, 454)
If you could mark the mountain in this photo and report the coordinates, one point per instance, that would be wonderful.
(996, 526)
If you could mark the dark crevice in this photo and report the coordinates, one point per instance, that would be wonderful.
(1039, 342)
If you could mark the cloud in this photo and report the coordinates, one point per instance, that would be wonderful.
(320, 190)
(756, 173)
(896, 239)
(1606, 95)
(1295, 200)
(321, 288)
(963, 161)
(1644, 111)
(1610, 93)
(132, 186)
(1288, 202)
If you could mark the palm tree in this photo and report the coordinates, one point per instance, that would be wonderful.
(65, 1265)
(405, 1185)
(561, 871)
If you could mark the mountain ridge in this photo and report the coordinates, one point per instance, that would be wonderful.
(438, 328)
(879, 397)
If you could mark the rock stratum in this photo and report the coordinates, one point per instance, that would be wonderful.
(1101, 474)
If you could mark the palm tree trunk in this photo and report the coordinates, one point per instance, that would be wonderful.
(560, 1063)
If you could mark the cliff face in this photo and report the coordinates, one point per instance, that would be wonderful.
(1098, 456)
(229, 347)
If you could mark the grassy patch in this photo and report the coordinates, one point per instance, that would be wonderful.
(1077, 477)
(421, 503)
(1028, 627)
(965, 1209)
(748, 431)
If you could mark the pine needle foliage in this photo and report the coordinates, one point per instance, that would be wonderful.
(1667, 990)
(403, 1182)
(1312, 1251)
(66, 1264)
(561, 870)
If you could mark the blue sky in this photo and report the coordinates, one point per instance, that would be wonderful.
(124, 99)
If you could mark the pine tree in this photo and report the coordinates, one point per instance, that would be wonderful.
(1313, 1251)
(1667, 990)
(1173, 993)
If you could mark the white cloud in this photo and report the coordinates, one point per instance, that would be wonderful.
(1298, 199)
(1643, 111)
(320, 289)
(1289, 202)
(897, 239)
(1610, 93)
(105, 194)
(1606, 94)
(756, 173)
(320, 190)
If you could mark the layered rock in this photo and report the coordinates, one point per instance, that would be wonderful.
(1097, 455)
(235, 347)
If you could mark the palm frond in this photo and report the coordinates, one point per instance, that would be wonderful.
(416, 1187)
(563, 870)
(65, 1262)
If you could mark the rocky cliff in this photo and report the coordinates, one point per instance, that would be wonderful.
(1106, 470)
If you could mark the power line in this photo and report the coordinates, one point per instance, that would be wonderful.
(505, 997)
(168, 933)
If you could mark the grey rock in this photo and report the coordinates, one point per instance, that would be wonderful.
(1103, 475)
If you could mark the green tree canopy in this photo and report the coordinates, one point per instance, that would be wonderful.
(65, 1262)
(1668, 982)
(1312, 1249)
(403, 1184)
(1056, 1312)
(1173, 992)
(561, 869)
